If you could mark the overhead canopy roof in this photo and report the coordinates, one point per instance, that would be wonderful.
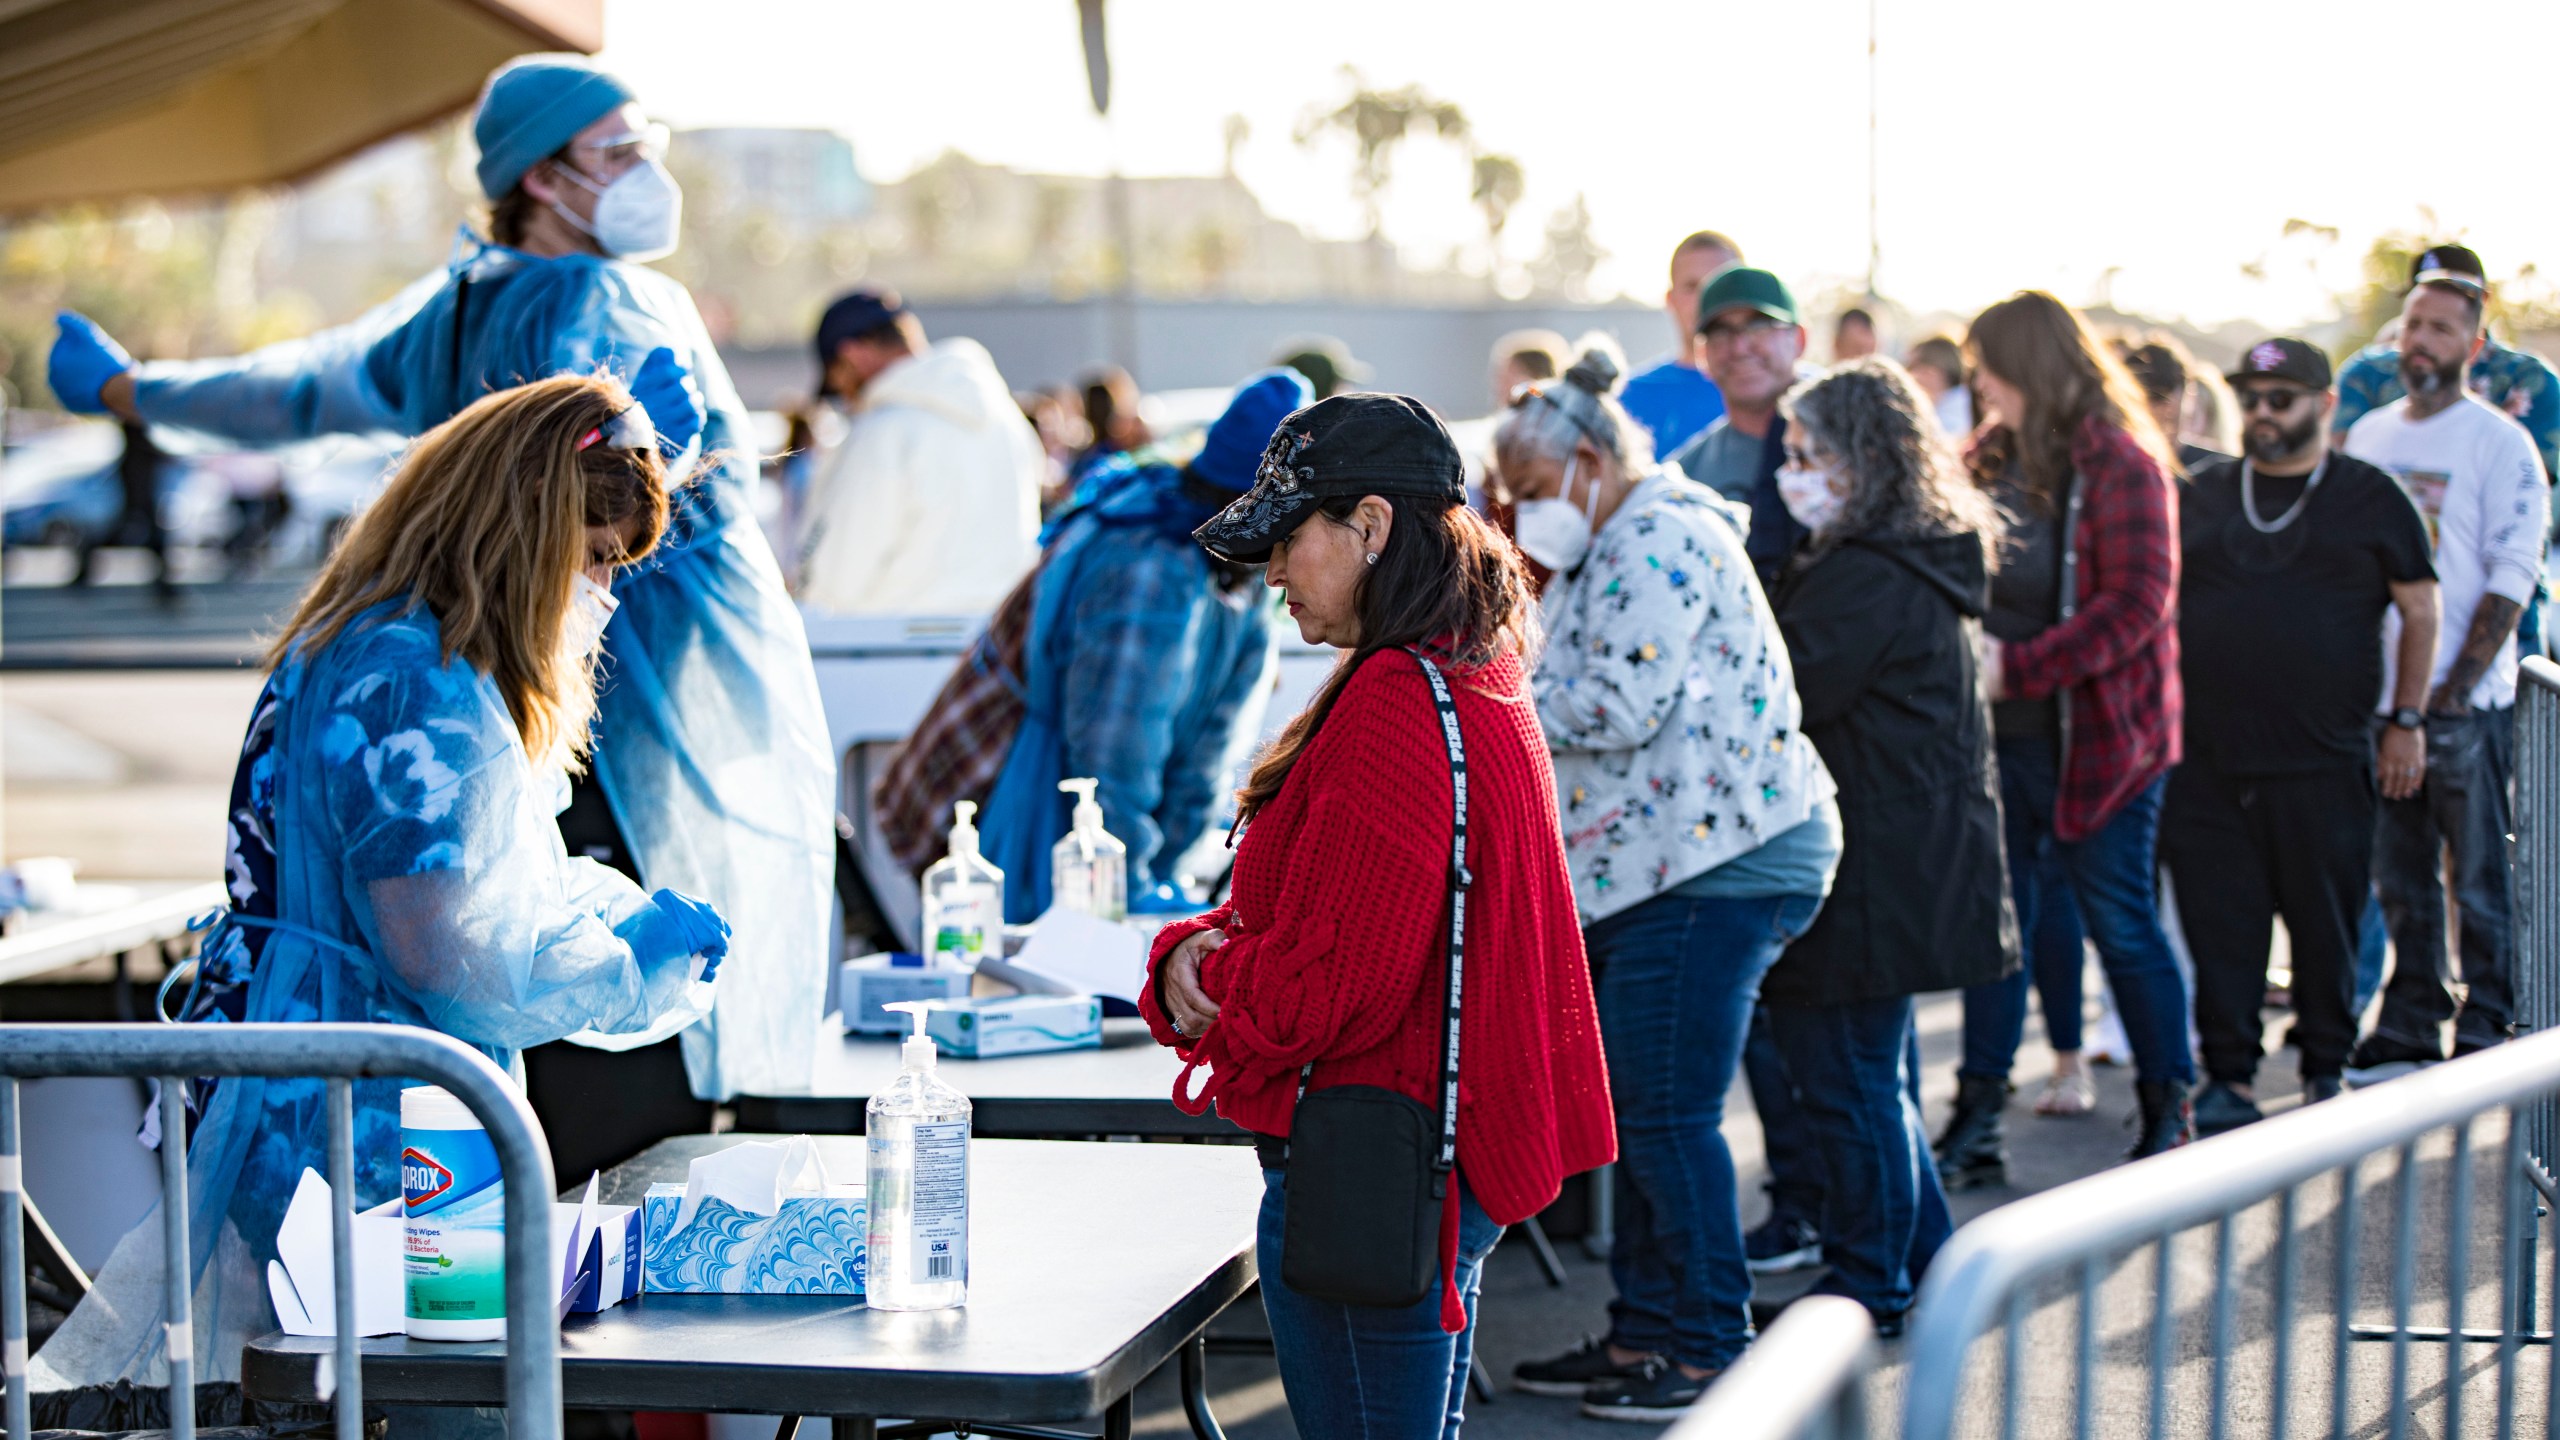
(107, 98)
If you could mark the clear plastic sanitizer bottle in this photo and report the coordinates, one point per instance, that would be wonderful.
(1089, 870)
(963, 898)
(917, 1178)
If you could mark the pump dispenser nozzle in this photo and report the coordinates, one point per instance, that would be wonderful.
(964, 827)
(916, 1052)
(1088, 813)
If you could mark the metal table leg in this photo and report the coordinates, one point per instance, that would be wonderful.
(1195, 1390)
(1604, 1213)
(1545, 1250)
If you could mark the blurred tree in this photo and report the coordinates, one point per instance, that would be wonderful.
(1564, 267)
(1497, 187)
(1377, 121)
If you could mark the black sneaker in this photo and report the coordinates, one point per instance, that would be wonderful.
(1570, 1374)
(2219, 1107)
(1658, 1392)
(2381, 1057)
(1780, 1244)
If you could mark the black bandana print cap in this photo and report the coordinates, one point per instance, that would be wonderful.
(1348, 445)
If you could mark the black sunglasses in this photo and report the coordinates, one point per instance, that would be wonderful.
(2274, 401)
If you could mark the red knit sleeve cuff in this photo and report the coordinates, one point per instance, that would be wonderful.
(1151, 997)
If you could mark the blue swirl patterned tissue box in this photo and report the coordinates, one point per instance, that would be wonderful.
(811, 1245)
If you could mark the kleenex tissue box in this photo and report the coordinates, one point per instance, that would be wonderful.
(758, 1218)
(864, 985)
(993, 1025)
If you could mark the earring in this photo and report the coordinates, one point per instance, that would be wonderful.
(1373, 557)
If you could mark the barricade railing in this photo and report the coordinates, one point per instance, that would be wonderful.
(1989, 1276)
(2537, 885)
(341, 1054)
(1803, 1380)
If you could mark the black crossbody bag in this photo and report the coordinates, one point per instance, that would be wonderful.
(1369, 1168)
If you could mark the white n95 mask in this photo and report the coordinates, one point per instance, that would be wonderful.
(638, 215)
(1808, 496)
(1555, 532)
(591, 607)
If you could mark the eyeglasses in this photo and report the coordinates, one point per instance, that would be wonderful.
(2274, 400)
(617, 153)
(629, 430)
(1725, 333)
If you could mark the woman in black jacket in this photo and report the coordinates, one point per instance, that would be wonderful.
(1880, 607)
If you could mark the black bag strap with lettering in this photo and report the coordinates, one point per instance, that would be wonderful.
(1460, 879)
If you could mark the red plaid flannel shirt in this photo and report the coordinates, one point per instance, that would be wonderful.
(958, 749)
(2115, 661)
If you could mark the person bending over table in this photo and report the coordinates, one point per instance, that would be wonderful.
(1333, 950)
(392, 855)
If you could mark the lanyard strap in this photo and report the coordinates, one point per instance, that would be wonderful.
(1459, 881)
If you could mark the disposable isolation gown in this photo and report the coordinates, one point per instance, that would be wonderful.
(422, 881)
(710, 743)
(1138, 671)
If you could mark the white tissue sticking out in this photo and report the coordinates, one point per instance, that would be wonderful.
(756, 1176)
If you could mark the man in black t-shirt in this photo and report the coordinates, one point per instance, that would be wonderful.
(2291, 554)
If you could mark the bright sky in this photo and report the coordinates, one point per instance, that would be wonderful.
(2023, 142)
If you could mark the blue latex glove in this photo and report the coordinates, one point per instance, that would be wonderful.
(673, 401)
(84, 359)
(705, 933)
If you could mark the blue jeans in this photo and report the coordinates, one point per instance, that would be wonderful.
(2462, 808)
(1360, 1371)
(1676, 980)
(2112, 879)
(1883, 1216)
(1795, 1163)
(2373, 938)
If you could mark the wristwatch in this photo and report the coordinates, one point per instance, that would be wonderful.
(2407, 718)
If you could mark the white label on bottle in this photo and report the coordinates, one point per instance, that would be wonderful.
(942, 1203)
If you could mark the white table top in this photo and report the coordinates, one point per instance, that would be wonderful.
(105, 920)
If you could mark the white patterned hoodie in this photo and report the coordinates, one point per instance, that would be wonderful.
(1667, 698)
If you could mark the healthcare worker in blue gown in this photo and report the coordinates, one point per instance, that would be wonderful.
(392, 855)
(711, 753)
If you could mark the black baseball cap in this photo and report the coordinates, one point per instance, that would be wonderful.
(2284, 358)
(853, 315)
(2454, 265)
(1366, 444)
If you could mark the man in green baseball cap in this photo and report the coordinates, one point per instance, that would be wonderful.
(1752, 340)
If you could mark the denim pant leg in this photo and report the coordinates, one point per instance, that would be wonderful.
(2057, 954)
(2477, 820)
(1995, 1012)
(1357, 1370)
(1795, 1163)
(2373, 943)
(1936, 1224)
(2114, 876)
(1859, 1104)
(2462, 805)
(1677, 981)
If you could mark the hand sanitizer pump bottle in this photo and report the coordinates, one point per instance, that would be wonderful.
(963, 899)
(1089, 870)
(917, 1176)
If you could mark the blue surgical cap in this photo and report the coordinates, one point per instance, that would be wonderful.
(532, 107)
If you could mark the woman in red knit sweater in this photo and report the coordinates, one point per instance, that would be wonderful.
(1333, 952)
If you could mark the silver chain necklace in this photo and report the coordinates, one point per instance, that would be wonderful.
(2249, 499)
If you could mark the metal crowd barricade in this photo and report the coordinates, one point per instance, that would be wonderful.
(342, 1054)
(2537, 887)
(1986, 1278)
(1803, 1380)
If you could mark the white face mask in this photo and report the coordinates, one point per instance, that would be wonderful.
(591, 606)
(1555, 532)
(637, 215)
(1808, 496)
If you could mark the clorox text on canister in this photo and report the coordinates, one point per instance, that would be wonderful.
(454, 1248)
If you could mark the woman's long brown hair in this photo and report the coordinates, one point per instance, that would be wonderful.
(2066, 375)
(1445, 581)
(485, 524)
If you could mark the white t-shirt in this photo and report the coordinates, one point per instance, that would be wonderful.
(2476, 478)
